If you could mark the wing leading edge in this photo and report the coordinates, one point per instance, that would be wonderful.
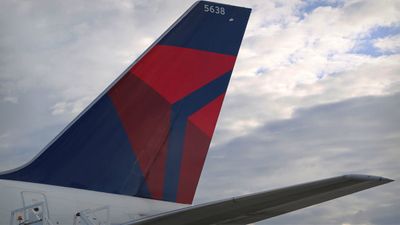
(255, 207)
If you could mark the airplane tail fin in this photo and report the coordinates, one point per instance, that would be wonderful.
(148, 134)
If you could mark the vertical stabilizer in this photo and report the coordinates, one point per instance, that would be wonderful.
(149, 133)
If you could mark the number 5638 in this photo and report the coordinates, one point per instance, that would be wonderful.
(214, 9)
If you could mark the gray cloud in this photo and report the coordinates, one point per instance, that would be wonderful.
(359, 135)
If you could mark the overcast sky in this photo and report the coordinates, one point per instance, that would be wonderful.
(315, 92)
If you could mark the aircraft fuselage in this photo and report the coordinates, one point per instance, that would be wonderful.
(64, 203)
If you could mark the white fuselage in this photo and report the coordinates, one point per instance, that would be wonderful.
(64, 203)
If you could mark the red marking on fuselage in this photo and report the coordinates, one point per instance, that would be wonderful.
(199, 130)
(206, 118)
(194, 154)
(175, 72)
(143, 99)
(145, 116)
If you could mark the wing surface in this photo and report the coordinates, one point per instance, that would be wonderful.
(260, 206)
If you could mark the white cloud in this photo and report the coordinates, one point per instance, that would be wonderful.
(73, 107)
(11, 99)
(58, 108)
(307, 62)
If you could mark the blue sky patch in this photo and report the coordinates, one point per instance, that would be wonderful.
(309, 6)
(365, 46)
(384, 31)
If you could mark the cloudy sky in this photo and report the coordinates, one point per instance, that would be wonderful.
(315, 92)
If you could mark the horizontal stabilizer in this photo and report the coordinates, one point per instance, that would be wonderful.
(255, 207)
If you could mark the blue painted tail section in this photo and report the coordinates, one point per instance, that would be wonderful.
(100, 160)
(212, 27)
(148, 134)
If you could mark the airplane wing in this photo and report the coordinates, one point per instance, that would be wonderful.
(255, 207)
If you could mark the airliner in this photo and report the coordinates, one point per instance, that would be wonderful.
(134, 156)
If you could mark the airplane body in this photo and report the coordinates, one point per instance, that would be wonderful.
(64, 203)
(70, 206)
(134, 156)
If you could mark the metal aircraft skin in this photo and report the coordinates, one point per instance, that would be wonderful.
(135, 154)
